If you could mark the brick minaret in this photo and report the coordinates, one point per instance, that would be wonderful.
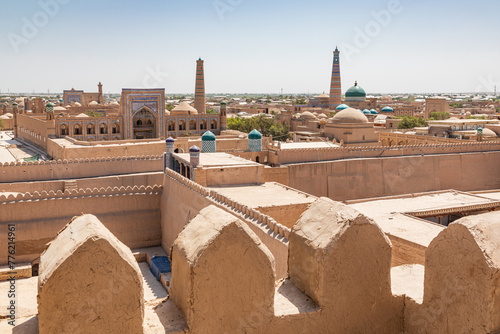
(335, 87)
(199, 93)
(101, 95)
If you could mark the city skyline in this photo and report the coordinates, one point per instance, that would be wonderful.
(387, 46)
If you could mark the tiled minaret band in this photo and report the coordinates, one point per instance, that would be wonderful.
(335, 87)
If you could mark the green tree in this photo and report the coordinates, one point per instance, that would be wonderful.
(300, 102)
(169, 106)
(410, 122)
(439, 115)
(265, 125)
(212, 111)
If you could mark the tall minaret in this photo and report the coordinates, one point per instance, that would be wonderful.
(101, 97)
(199, 92)
(335, 87)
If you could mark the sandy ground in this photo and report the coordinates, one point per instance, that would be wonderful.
(12, 154)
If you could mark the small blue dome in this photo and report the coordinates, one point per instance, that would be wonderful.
(194, 149)
(387, 109)
(255, 135)
(373, 112)
(170, 140)
(342, 107)
(208, 136)
(366, 112)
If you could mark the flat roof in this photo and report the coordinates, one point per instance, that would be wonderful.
(264, 195)
(217, 160)
(391, 213)
(311, 144)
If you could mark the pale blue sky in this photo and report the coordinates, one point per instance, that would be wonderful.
(250, 45)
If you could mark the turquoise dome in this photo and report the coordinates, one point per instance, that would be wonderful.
(342, 107)
(255, 135)
(223, 103)
(355, 91)
(49, 105)
(373, 112)
(366, 112)
(387, 109)
(208, 136)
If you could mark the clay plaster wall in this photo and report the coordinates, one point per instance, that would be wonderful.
(132, 214)
(365, 178)
(324, 154)
(286, 215)
(183, 199)
(33, 130)
(74, 169)
(462, 280)
(217, 176)
(89, 281)
(145, 179)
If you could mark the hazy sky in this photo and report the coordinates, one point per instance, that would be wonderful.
(249, 45)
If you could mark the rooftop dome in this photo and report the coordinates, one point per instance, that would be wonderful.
(322, 116)
(366, 112)
(324, 95)
(209, 136)
(50, 105)
(82, 115)
(254, 134)
(93, 103)
(114, 103)
(355, 91)
(4, 117)
(223, 103)
(489, 133)
(350, 115)
(59, 109)
(342, 107)
(387, 109)
(308, 114)
(10, 115)
(373, 112)
(184, 107)
(78, 104)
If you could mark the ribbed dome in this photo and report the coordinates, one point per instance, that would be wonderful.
(342, 107)
(324, 95)
(355, 91)
(184, 107)
(349, 115)
(209, 136)
(254, 134)
(387, 109)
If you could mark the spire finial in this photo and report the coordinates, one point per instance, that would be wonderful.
(356, 83)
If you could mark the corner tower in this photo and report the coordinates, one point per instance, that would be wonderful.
(199, 93)
(335, 87)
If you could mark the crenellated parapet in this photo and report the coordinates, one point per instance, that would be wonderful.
(79, 193)
(236, 207)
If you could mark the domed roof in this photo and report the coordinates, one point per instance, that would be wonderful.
(489, 133)
(373, 112)
(366, 112)
(223, 103)
(342, 107)
(9, 115)
(308, 114)
(322, 116)
(82, 115)
(59, 109)
(355, 91)
(50, 105)
(208, 136)
(350, 115)
(194, 149)
(184, 107)
(254, 134)
(324, 95)
(78, 104)
(93, 103)
(4, 117)
(387, 109)
(114, 103)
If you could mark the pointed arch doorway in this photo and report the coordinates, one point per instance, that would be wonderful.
(144, 124)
